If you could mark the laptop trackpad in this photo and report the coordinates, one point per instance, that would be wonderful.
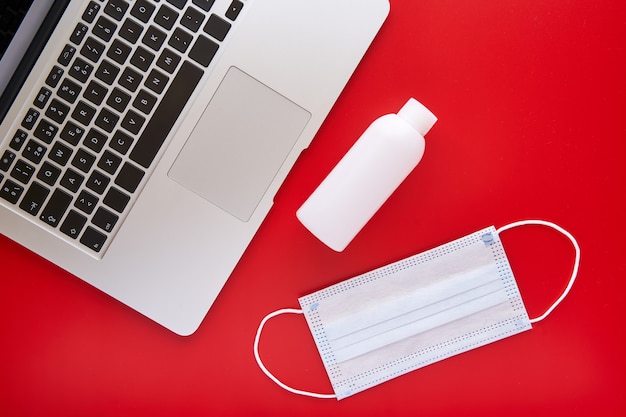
(239, 144)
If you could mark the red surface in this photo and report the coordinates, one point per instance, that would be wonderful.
(531, 100)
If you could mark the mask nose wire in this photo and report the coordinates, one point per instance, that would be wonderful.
(576, 258)
(266, 371)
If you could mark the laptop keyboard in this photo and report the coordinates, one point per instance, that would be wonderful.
(82, 150)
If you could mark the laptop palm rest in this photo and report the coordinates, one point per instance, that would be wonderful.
(244, 135)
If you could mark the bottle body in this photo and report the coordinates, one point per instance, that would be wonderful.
(362, 181)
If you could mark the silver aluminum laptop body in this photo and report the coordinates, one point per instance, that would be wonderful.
(259, 104)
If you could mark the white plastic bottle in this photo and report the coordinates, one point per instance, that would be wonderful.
(367, 175)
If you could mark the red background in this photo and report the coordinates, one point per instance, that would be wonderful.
(531, 100)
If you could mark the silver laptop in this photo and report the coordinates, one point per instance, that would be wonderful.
(143, 149)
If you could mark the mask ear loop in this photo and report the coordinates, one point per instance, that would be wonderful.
(266, 371)
(576, 259)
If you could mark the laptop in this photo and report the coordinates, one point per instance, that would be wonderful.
(142, 142)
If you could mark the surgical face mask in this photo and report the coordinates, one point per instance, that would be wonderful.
(412, 313)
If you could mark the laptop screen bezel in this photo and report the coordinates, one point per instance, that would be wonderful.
(26, 46)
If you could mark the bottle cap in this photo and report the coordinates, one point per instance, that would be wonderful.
(418, 116)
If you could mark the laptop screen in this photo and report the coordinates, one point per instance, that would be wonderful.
(24, 28)
(11, 17)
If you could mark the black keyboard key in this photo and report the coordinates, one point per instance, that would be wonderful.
(130, 30)
(42, 98)
(60, 153)
(119, 51)
(156, 81)
(143, 10)
(83, 160)
(203, 51)
(121, 142)
(95, 140)
(180, 40)
(116, 9)
(48, 173)
(46, 131)
(129, 177)
(166, 17)
(56, 207)
(72, 180)
(57, 110)
(34, 151)
(107, 120)
(178, 3)
(204, 4)
(73, 224)
(168, 60)
(18, 140)
(116, 199)
(72, 133)
(165, 115)
(142, 58)
(217, 27)
(81, 69)
(130, 79)
(118, 100)
(154, 38)
(144, 101)
(91, 11)
(66, 55)
(11, 191)
(22, 171)
(93, 239)
(34, 198)
(69, 91)
(107, 72)
(83, 113)
(192, 19)
(95, 92)
(104, 28)
(109, 162)
(86, 202)
(133, 122)
(98, 182)
(30, 119)
(234, 9)
(92, 49)
(79, 33)
(105, 219)
(7, 160)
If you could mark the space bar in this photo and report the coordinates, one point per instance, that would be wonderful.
(165, 115)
